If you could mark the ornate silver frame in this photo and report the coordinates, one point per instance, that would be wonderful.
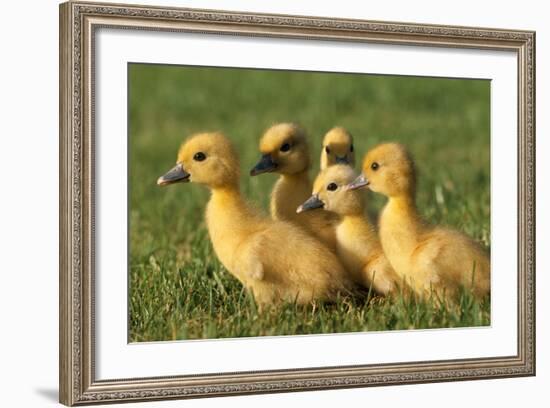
(78, 22)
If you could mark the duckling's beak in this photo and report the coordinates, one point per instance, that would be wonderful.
(265, 165)
(311, 203)
(175, 175)
(342, 160)
(359, 182)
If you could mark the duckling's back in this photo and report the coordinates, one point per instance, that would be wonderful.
(296, 266)
(456, 259)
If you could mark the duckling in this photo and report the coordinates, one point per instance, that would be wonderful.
(276, 260)
(285, 151)
(337, 148)
(358, 246)
(427, 257)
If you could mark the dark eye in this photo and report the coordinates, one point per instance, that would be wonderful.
(351, 148)
(327, 150)
(200, 156)
(332, 187)
(285, 147)
(374, 166)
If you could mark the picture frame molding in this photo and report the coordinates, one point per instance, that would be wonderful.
(78, 23)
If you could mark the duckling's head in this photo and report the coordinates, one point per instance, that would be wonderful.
(284, 150)
(330, 192)
(205, 158)
(388, 169)
(337, 148)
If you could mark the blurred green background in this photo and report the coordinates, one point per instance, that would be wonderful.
(177, 287)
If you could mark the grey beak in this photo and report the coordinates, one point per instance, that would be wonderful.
(175, 175)
(342, 160)
(359, 182)
(265, 165)
(311, 203)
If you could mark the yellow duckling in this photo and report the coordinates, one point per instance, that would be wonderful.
(358, 246)
(427, 257)
(276, 260)
(285, 151)
(337, 148)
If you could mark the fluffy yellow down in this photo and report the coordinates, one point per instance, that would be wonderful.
(293, 185)
(274, 259)
(358, 246)
(427, 257)
(337, 148)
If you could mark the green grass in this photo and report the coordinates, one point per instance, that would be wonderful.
(178, 288)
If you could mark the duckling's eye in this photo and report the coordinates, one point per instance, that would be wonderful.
(285, 147)
(351, 148)
(332, 187)
(200, 156)
(327, 150)
(374, 166)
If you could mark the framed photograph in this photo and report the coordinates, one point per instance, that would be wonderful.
(256, 203)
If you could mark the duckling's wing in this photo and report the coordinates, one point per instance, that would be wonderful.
(250, 260)
(426, 262)
(451, 258)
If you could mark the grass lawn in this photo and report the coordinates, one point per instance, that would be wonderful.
(178, 288)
